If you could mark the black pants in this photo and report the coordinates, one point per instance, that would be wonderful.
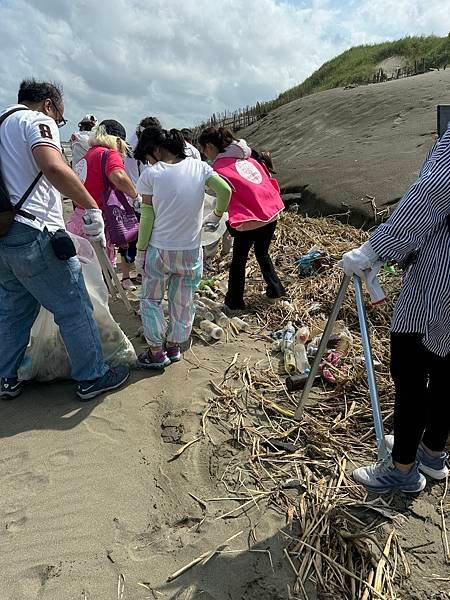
(422, 403)
(243, 241)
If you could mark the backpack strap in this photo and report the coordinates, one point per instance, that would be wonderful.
(106, 183)
(30, 188)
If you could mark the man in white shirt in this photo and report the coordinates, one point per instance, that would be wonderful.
(79, 140)
(31, 275)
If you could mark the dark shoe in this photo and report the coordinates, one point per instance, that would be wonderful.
(111, 380)
(174, 353)
(157, 361)
(235, 305)
(10, 387)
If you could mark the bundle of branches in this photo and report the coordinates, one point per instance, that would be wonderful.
(337, 541)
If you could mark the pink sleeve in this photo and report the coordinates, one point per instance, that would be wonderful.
(114, 162)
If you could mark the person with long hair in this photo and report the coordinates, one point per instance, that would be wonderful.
(169, 244)
(110, 137)
(253, 211)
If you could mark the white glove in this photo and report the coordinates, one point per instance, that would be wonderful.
(211, 221)
(358, 260)
(137, 203)
(94, 226)
(370, 278)
(139, 262)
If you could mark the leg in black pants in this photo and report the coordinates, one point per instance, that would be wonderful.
(263, 239)
(422, 409)
(236, 279)
(243, 241)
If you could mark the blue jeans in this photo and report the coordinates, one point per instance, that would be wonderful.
(30, 277)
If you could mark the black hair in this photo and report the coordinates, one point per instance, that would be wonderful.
(265, 158)
(85, 126)
(34, 91)
(220, 137)
(154, 137)
(187, 134)
(148, 122)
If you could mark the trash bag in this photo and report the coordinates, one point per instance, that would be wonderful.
(46, 356)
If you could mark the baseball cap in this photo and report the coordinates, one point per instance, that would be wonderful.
(89, 119)
(113, 127)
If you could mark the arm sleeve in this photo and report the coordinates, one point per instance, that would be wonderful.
(423, 208)
(223, 192)
(114, 162)
(43, 131)
(145, 226)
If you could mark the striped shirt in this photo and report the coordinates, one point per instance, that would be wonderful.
(421, 223)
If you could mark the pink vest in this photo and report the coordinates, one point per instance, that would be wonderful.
(256, 198)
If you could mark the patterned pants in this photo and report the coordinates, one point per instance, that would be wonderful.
(179, 272)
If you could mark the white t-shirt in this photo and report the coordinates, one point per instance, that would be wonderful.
(178, 192)
(191, 151)
(79, 142)
(19, 134)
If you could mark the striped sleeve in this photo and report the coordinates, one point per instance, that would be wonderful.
(423, 208)
(43, 131)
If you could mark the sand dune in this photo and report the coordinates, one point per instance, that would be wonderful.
(340, 146)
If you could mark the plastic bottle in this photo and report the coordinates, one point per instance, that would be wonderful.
(289, 362)
(301, 358)
(220, 318)
(211, 303)
(302, 335)
(210, 293)
(213, 330)
(296, 382)
(240, 324)
(288, 336)
(203, 314)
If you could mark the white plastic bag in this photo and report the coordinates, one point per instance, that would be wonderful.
(46, 357)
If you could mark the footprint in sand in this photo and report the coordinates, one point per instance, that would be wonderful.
(19, 486)
(12, 522)
(12, 464)
(139, 546)
(30, 583)
(60, 459)
(104, 427)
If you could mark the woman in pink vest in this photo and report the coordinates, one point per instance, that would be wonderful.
(253, 210)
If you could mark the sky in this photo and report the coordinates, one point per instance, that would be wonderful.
(182, 60)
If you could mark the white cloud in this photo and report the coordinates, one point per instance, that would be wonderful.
(181, 60)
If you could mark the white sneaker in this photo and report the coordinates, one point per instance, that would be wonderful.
(385, 477)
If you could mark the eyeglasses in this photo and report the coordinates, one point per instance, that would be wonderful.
(61, 121)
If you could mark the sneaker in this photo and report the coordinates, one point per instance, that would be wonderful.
(384, 477)
(128, 285)
(174, 353)
(434, 467)
(111, 380)
(10, 387)
(153, 360)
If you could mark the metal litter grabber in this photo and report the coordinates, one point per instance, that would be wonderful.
(367, 349)
(110, 275)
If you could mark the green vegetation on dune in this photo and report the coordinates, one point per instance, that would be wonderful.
(354, 66)
(358, 64)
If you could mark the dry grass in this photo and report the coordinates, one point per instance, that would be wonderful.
(336, 539)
